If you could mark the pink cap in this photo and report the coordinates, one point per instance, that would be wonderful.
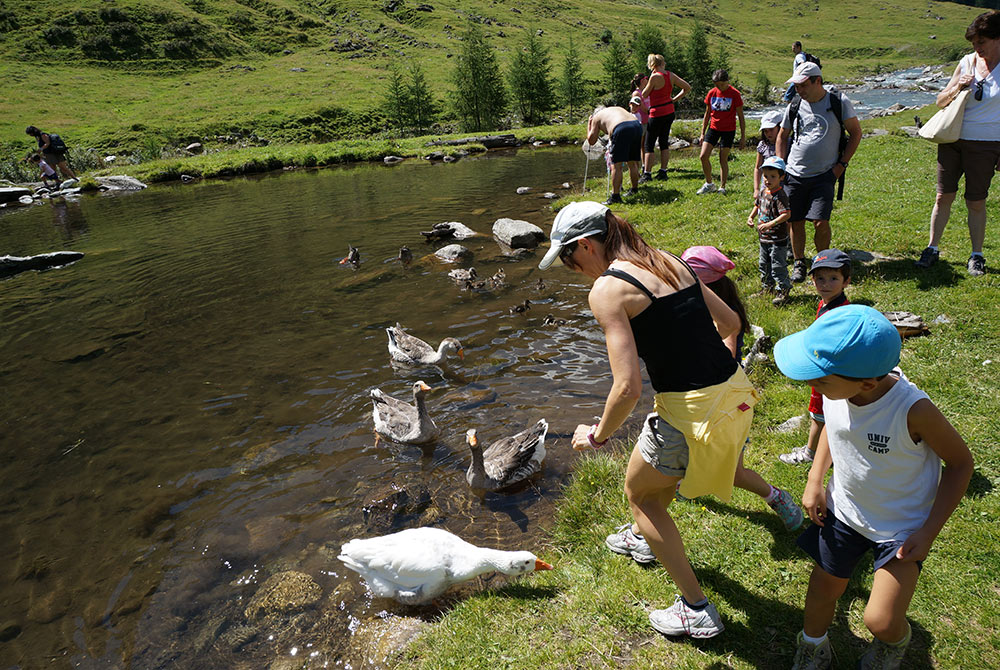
(708, 263)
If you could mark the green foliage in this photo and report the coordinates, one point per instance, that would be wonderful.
(762, 89)
(698, 62)
(530, 79)
(396, 102)
(572, 85)
(617, 73)
(479, 98)
(422, 108)
(646, 40)
(722, 61)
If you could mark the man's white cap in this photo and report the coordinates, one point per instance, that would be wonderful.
(804, 71)
(771, 120)
(573, 222)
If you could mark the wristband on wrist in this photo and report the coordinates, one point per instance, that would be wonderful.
(594, 442)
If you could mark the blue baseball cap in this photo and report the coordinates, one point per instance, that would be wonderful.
(851, 341)
(830, 258)
(774, 162)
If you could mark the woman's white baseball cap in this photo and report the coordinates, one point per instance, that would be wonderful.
(573, 222)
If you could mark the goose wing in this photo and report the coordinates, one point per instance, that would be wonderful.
(394, 419)
(406, 347)
(513, 458)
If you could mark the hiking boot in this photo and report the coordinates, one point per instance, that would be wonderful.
(765, 290)
(883, 656)
(615, 199)
(632, 191)
(661, 174)
(799, 270)
(812, 656)
(628, 543)
(679, 619)
(977, 266)
(707, 188)
(785, 507)
(780, 298)
(797, 455)
(928, 257)
(645, 177)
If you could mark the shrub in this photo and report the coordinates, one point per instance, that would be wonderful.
(60, 35)
(762, 89)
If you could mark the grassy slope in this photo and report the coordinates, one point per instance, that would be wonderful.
(116, 104)
(591, 611)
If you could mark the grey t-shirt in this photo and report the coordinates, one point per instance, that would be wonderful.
(817, 140)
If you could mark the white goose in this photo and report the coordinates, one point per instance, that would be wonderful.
(506, 461)
(405, 348)
(415, 566)
(402, 422)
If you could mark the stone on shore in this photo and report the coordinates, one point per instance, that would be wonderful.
(194, 148)
(791, 425)
(453, 253)
(284, 592)
(521, 190)
(119, 182)
(518, 234)
(13, 193)
(391, 160)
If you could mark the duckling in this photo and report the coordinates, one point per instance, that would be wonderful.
(498, 280)
(402, 422)
(508, 460)
(353, 257)
(475, 285)
(540, 286)
(550, 320)
(405, 255)
(405, 348)
(522, 308)
(459, 275)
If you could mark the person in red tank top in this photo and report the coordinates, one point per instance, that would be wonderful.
(660, 89)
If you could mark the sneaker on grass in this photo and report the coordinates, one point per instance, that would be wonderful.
(624, 541)
(722, 190)
(797, 455)
(928, 257)
(787, 510)
(707, 188)
(800, 268)
(883, 656)
(616, 198)
(812, 656)
(780, 298)
(661, 174)
(977, 266)
(631, 192)
(679, 619)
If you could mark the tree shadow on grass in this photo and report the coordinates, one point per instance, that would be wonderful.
(902, 269)
(767, 639)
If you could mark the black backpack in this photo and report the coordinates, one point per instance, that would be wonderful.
(837, 107)
(56, 144)
(812, 59)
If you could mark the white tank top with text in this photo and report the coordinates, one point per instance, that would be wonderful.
(883, 484)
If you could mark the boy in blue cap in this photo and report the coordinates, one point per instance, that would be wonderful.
(886, 441)
(774, 211)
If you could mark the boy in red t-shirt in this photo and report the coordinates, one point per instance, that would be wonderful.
(723, 104)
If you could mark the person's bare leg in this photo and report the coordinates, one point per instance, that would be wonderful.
(664, 158)
(939, 216)
(616, 178)
(724, 166)
(706, 162)
(649, 492)
(892, 590)
(797, 231)
(749, 480)
(821, 601)
(68, 172)
(977, 223)
(822, 235)
(633, 173)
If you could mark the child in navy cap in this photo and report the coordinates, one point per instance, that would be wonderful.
(831, 273)
(886, 441)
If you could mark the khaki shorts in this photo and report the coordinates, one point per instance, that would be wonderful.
(977, 160)
(663, 446)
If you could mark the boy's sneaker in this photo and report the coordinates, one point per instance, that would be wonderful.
(645, 177)
(679, 619)
(785, 507)
(780, 298)
(812, 656)
(722, 190)
(928, 257)
(615, 199)
(799, 270)
(797, 455)
(661, 174)
(707, 188)
(628, 543)
(977, 266)
(632, 191)
(882, 656)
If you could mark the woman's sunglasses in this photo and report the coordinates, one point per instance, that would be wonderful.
(978, 95)
(566, 252)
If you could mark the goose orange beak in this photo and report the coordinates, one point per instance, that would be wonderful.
(424, 387)
(541, 565)
(461, 354)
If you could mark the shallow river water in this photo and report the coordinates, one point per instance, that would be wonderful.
(185, 410)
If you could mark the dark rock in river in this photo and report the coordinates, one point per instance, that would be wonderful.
(12, 265)
(12, 193)
(9, 630)
(395, 507)
(518, 234)
(284, 592)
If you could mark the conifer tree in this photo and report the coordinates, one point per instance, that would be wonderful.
(646, 40)
(699, 63)
(479, 97)
(617, 72)
(421, 108)
(530, 80)
(396, 103)
(572, 86)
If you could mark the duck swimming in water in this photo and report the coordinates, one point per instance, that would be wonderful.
(522, 308)
(353, 257)
(402, 422)
(461, 276)
(405, 255)
(508, 460)
(405, 348)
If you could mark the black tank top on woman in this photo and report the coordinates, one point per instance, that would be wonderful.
(677, 339)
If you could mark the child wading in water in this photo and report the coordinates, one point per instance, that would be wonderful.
(723, 104)
(771, 205)
(711, 265)
(831, 273)
(886, 442)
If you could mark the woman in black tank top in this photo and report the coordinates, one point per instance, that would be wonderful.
(651, 307)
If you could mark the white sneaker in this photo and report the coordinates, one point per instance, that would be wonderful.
(707, 188)
(679, 619)
(797, 455)
(721, 191)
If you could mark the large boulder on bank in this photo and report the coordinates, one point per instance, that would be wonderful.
(120, 182)
(518, 234)
(13, 193)
(453, 253)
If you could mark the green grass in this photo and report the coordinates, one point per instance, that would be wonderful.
(591, 611)
(109, 75)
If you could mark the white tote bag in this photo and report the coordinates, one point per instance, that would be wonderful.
(946, 126)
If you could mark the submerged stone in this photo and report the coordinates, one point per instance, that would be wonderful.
(284, 592)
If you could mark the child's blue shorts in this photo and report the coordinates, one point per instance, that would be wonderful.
(837, 548)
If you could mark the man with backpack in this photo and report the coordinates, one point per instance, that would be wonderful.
(53, 150)
(800, 58)
(817, 157)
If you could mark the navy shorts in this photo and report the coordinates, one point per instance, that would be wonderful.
(810, 197)
(720, 138)
(837, 548)
(626, 142)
